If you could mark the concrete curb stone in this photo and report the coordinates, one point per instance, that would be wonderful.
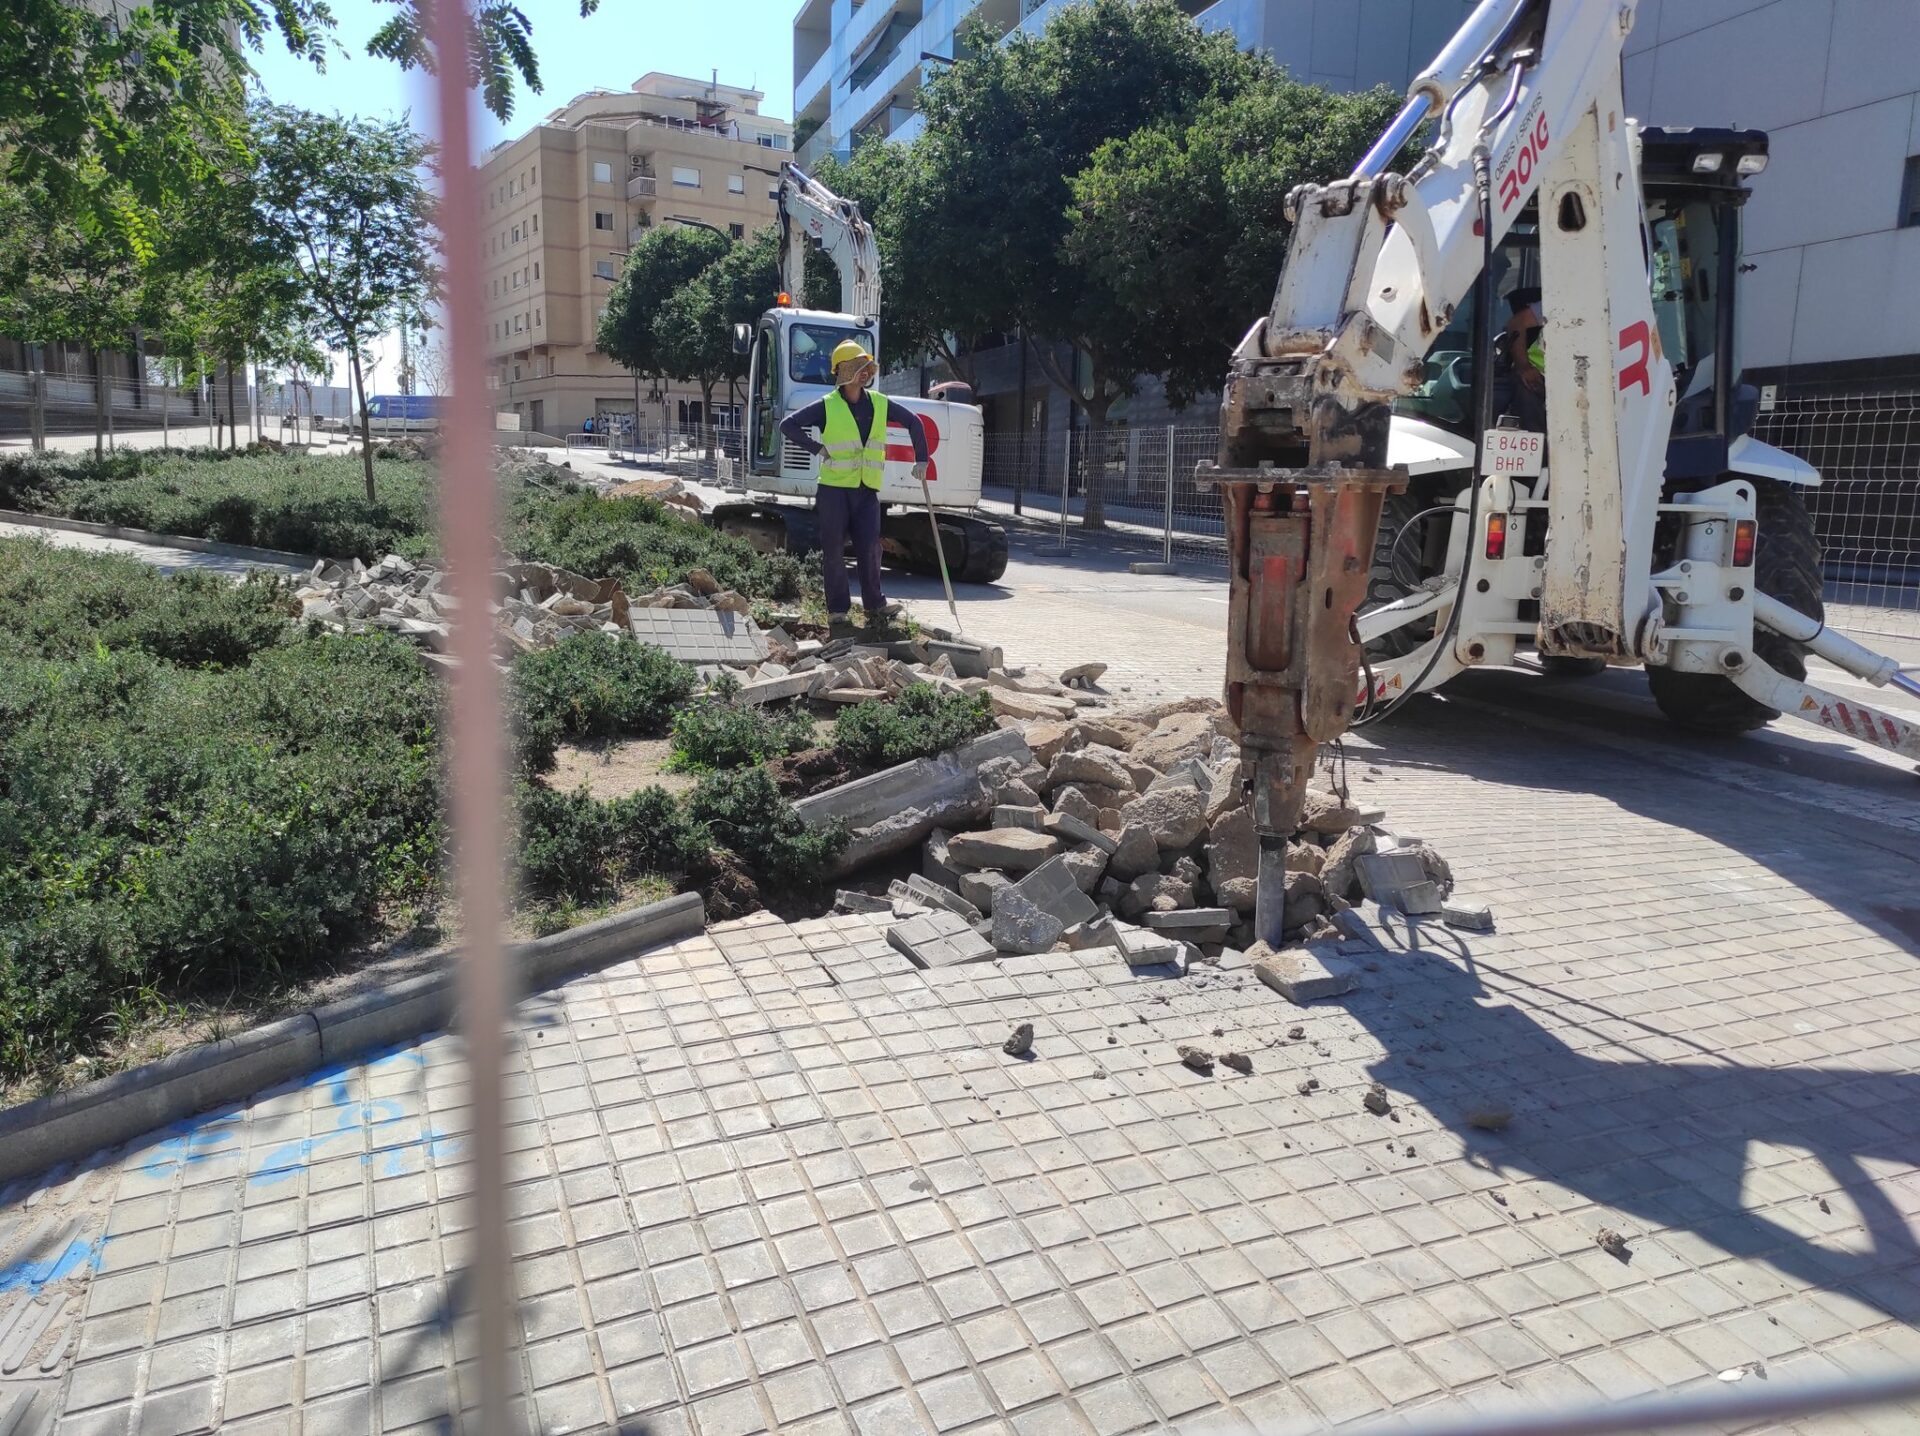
(147, 536)
(75, 1124)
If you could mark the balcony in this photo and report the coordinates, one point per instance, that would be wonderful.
(642, 187)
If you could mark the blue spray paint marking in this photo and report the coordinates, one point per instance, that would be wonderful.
(34, 1276)
(365, 1115)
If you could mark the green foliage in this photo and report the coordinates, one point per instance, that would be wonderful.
(346, 200)
(1184, 221)
(65, 604)
(921, 722)
(576, 848)
(285, 501)
(193, 829)
(743, 811)
(667, 258)
(310, 505)
(637, 542)
(719, 734)
(595, 685)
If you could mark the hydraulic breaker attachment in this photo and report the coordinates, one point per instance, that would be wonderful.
(1299, 546)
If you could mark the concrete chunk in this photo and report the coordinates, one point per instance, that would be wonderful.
(1468, 917)
(1051, 888)
(1399, 881)
(1021, 927)
(1017, 815)
(931, 894)
(1189, 920)
(1140, 948)
(1079, 830)
(847, 900)
(983, 888)
(938, 939)
(934, 863)
(1009, 849)
(1304, 974)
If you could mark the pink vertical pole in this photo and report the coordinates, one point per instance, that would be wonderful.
(477, 763)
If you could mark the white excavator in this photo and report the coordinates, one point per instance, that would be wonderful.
(789, 368)
(1634, 522)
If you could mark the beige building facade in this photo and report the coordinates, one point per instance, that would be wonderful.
(564, 204)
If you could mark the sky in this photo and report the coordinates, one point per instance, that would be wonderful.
(750, 41)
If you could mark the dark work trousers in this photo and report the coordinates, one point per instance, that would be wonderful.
(850, 513)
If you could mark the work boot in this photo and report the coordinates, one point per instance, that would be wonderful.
(841, 625)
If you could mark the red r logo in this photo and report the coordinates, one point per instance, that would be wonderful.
(1635, 336)
(903, 453)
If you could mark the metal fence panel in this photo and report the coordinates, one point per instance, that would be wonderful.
(1866, 510)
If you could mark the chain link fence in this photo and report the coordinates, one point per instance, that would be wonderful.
(1132, 486)
(1866, 510)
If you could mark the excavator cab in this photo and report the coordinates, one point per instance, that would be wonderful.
(790, 366)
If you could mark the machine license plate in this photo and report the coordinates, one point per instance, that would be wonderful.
(1516, 453)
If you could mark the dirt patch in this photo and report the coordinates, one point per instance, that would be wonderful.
(810, 771)
(613, 768)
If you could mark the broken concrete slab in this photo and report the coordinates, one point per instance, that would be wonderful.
(699, 635)
(1009, 849)
(1009, 703)
(890, 811)
(1176, 816)
(1013, 815)
(934, 863)
(1398, 880)
(931, 894)
(1082, 673)
(938, 939)
(1323, 812)
(1141, 948)
(1188, 923)
(1051, 888)
(969, 660)
(1468, 917)
(848, 900)
(1305, 974)
(1087, 864)
(1134, 855)
(982, 888)
(1100, 932)
(1102, 766)
(1021, 927)
(775, 690)
(1074, 829)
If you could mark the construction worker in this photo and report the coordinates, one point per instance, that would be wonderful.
(852, 424)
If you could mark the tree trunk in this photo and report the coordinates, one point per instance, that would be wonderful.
(366, 423)
(99, 404)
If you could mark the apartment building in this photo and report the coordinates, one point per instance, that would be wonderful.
(568, 199)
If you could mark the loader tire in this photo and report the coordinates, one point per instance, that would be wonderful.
(1565, 665)
(1786, 567)
(1397, 572)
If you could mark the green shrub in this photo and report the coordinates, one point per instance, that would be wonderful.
(744, 812)
(718, 734)
(62, 603)
(574, 848)
(922, 721)
(596, 685)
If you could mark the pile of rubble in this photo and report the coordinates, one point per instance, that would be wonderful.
(535, 604)
(1132, 830)
(846, 671)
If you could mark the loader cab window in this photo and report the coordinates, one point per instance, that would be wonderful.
(811, 361)
(1445, 397)
(1687, 239)
(766, 396)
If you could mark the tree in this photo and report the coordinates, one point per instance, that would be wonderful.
(65, 275)
(666, 258)
(1181, 225)
(1008, 128)
(694, 326)
(344, 197)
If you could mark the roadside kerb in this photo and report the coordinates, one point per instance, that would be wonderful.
(146, 536)
(75, 1124)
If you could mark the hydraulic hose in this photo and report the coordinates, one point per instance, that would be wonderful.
(1485, 296)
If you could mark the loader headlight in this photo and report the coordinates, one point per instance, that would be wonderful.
(1751, 164)
(1707, 162)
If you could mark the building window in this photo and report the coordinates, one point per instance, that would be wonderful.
(536, 269)
(516, 279)
(738, 231)
(516, 234)
(736, 184)
(603, 269)
(536, 224)
(536, 176)
(602, 172)
(516, 330)
(685, 177)
(1910, 195)
(602, 219)
(538, 321)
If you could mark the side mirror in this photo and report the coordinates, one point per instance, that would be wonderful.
(742, 338)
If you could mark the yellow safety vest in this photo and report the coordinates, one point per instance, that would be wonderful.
(847, 461)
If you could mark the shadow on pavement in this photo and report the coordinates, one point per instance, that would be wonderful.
(1667, 1130)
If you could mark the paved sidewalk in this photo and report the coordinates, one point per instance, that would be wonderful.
(776, 1179)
